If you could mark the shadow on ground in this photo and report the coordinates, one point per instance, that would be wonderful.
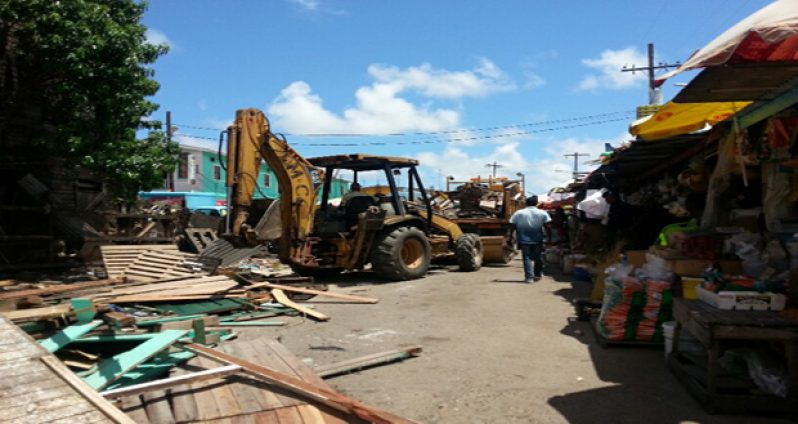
(639, 388)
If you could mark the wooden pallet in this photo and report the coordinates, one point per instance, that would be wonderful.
(158, 265)
(188, 287)
(200, 238)
(117, 258)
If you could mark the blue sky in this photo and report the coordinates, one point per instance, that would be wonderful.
(466, 82)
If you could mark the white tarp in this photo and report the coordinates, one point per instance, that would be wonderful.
(773, 23)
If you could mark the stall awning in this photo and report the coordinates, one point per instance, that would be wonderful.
(768, 35)
(741, 82)
(640, 159)
(675, 119)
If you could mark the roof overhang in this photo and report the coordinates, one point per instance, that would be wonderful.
(740, 82)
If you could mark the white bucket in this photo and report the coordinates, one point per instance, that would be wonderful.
(667, 332)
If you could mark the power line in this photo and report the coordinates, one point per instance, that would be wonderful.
(441, 140)
(445, 132)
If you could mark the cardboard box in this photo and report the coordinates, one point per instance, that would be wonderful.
(696, 267)
(743, 300)
(636, 257)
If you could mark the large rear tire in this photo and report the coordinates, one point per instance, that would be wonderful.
(402, 254)
(469, 253)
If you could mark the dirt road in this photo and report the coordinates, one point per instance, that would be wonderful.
(494, 352)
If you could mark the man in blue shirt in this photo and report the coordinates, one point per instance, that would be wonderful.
(528, 223)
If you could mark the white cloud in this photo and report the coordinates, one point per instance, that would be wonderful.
(533, 80)
(542, 172)
(609, 65)
(381, 108)
(485, 79)
(157, 37)
(457, 162)
(309, 5)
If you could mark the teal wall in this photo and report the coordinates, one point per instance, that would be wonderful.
(211, 185)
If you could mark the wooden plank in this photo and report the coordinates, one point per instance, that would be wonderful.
(310, 414)
(87, 392)
(253, 394)
(251, 324)
(68, 335)
(36, 314)
(171, 382)
(261, 352)
(157, 406)
(323, 395)
(134, 408)
(355, 364)
(204, 396)
(280, 297)
(184, 407)
(59, 289)
(173, 298)
(114, 368)
(289, 415)
(348, 297)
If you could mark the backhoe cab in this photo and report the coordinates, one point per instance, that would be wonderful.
(393, 230)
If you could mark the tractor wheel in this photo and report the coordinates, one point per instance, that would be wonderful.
(468, 251)
(402, 254)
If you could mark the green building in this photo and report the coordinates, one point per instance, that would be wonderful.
(200, 179)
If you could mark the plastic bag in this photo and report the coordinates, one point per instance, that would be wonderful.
(594, 206)
(767, 372)
(656, 268)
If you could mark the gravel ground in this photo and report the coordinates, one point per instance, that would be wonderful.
(495, 351)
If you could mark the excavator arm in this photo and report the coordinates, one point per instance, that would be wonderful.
(250, 141)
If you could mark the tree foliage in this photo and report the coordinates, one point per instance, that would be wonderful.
(75, 81)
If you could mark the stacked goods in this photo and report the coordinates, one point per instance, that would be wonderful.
(658, 309)
(636, 303)
(621, 308)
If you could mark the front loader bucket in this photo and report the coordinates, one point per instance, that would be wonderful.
(496, 250)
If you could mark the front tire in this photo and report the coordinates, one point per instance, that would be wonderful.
(402, 254)
(469, 253)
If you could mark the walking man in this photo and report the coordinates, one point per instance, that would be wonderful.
(528, 223)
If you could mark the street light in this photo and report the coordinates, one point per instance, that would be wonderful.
(523, 181)
(449, 179)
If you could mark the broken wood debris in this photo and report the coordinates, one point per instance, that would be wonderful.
(127, 334)
(368, 361)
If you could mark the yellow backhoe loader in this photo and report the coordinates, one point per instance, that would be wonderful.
(393, 230)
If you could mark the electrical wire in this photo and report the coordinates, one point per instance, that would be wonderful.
(444, 140)
(445, 132)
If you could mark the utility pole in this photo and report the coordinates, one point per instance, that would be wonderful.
(494, 165)
(170, 176)
(654, 92)
(576, 156)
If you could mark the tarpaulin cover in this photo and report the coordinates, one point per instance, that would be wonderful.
(768, 35)
(674, 119)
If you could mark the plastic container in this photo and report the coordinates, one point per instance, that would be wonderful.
(689, 286)
(667, 332)
(743, 300)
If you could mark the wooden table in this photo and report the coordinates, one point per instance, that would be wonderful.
(716, 329)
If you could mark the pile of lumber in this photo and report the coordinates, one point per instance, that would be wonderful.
(156, 339)
(148, 262)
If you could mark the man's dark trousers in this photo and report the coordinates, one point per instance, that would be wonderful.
(532, 252)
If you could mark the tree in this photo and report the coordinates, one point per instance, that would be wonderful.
(75, 82)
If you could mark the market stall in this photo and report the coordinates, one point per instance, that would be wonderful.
(699, 219)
